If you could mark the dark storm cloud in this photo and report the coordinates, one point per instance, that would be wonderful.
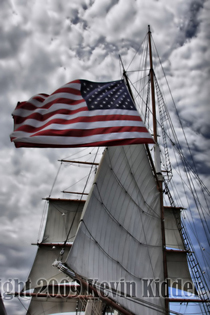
(193, 22)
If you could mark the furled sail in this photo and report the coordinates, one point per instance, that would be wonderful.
(62, 222)
(119, 242)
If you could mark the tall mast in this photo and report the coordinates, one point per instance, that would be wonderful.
(158, 165)
(152, 86)
(156, 147)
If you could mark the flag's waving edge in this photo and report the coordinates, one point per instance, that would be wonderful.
(80, 113)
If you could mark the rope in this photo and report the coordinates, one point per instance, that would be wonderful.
(81, 198)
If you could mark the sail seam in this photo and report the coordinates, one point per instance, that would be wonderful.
(120, 184)
(149, 207)
(137, 300)
(145, 202)
(82, 221)
(118, 223)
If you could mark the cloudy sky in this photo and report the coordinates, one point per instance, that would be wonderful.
(45, 44)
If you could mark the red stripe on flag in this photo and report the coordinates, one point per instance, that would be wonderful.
(67, 90)
(32, 107)
(88, 132)
(39, 117)
(27, 128)
(39, 98)
(113, 142)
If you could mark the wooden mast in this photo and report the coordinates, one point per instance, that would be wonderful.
(157, 166)
(152, 86)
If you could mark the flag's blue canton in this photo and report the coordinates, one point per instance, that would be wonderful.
(106, 95)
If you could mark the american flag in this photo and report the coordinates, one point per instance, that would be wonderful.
(80, 113)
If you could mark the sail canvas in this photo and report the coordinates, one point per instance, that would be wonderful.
(119, 235)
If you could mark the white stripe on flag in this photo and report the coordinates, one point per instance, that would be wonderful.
(59, 141)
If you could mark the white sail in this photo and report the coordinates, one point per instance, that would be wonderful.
(42, 272)
(119, 238)
(178, 270)
(51, 305)
(172, 234)
(63, 216)
(177, 265)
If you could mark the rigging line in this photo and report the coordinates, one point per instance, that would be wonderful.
(57, 208)
(181, 154)
(163, 118)
(81, 197)
(55, 179)
(145, 202)
(193, 190)
(118, 222)
(141, 97)
(196, 200)
(29, 313)
(188, 246)
(81, 150)
(101, 248)
(89, 153)
(201, 183)
(177, 148)
(155, 215)
(143, 58)
(144, 40)
(144, 62)
(153, 306)
(143, 87)
(138, 301)
(62, 212)
(148, 90)
(174, 189)
(183, 184)
(134, 299)
(88, 159)
(189, 241)
(119, 182)
(207, 264)
(76, 182)
(192, 224)
(146, 115)
(171, 125)
(147, 99)
(138, 94)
